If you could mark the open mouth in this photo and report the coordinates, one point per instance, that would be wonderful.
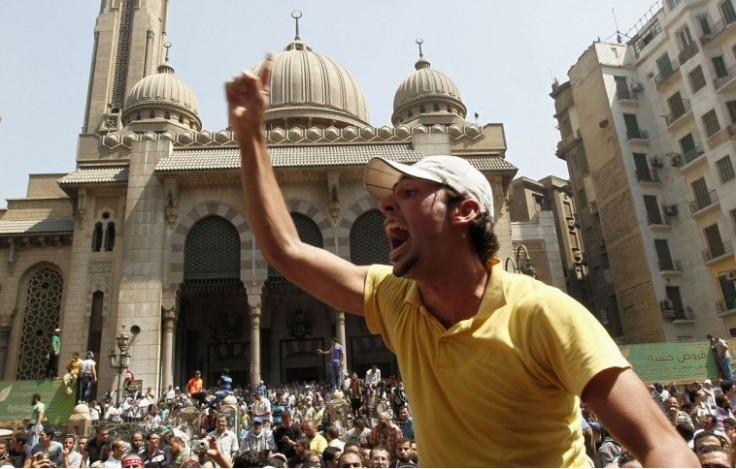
(397, 237)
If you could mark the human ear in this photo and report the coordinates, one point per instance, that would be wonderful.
(465, 211)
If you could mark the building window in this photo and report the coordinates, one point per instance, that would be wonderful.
(643, 172)
(436, 108)
(719, 66)
(704, 24)
(714, 241)
(654, 216)
(710, 121)
(677, 107)
(697, 79)
(368, 242)
(731, 106)
(684, 38)
(622, 88)
(729, 14)
(632, 127)
(733, 218)
(725, 169)
(700, 191)
(664, 257)
(110, 236)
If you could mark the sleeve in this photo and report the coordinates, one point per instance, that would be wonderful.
(375, 305)
(568, 344)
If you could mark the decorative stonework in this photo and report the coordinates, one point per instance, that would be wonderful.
(294, 136)
(171, 193)
(123, 52)
(100, 279)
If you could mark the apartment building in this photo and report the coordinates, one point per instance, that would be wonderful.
(648, 130)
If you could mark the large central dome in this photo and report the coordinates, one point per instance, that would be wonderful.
(309, 89)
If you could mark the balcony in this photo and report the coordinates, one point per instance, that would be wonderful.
(725, 309)
(650, 175)
(676, 313)
(718, 252)
(671, 267)
(716, 33)
(637, 136)
(688, 52)
(624, 96)
(704, 202)
(727, 82)
(690, 156)
(679, 111)
(664, 75)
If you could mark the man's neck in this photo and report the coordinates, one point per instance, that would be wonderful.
(455, 293)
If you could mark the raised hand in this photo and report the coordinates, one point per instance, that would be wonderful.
(248, 96)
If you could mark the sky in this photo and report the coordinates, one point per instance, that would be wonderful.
(503, 56)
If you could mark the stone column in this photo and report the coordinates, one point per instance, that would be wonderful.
(342, 337)
(254, 301)
(5, 326)
(167, 352)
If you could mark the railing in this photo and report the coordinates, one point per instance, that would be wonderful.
(730, 73)
(647, 176)
(705, 201)
(693, 154)
(636, 133)
(673, 265)
(687, 53)
(715, 30)
(678, 110)
(665, 75)
(624, 93)
(722, 306)
(717, 251)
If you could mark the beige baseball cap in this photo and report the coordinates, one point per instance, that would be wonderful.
(381, 175)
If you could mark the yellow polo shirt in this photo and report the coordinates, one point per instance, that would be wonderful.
(498, 389)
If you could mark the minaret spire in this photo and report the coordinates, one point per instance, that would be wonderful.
(419, 42)
(296, 14)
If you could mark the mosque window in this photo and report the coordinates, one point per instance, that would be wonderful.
(410, 113)
(94, 335)
(368, 242)
(449, 109)
(110, 236)
(97, 237)
(40, 316)
(181, 119)
(151, 115)
(436, 108)
(167, 115)
(422, 109)
(138, 116)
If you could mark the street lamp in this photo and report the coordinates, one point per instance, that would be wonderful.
(120, 361)
(526, 268)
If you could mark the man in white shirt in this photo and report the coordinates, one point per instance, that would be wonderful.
(226, 439)
(262, 408)
(258, 438)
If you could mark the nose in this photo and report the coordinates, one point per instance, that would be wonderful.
(387, 205)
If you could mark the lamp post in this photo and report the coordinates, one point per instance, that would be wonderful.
(120, 361)
(526, 268)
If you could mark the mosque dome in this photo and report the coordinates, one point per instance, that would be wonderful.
(427, 96)
(310, 89)
(162, 96)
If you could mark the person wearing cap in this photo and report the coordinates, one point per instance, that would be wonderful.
(195, 387)
(476, 346)
(258, 438)
(262, 408)
(52, 367)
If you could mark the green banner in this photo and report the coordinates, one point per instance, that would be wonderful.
(678, 362)
(15, 400)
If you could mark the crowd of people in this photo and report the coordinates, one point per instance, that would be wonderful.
(291, 425)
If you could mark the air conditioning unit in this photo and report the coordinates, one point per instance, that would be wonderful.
(670, 209)
(665, 305)
(675, 161)
(656, 162)
(731, 275)
(636, 86)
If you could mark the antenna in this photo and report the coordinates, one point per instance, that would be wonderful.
(296, 14)
(615, 22)
(420, 41)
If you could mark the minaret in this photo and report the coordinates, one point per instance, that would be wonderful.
(129, 43)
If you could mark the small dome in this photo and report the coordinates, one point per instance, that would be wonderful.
(310, 89)
(162, 91)
(427, 91)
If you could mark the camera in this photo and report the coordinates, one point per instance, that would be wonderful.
(201, 446)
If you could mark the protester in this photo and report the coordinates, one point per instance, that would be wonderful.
(429, 209)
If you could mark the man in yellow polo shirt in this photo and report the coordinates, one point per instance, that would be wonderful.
(494, 363)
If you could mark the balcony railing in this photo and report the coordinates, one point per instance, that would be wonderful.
(624, 94)
(723, 306)
(692, 154)
(682, 313)
(715, 30)
(730, 73)
(678, 110)
(647, 176)
(637, 134)
(667, 73)
(705, 201)
(673, 265)
(687, 53)
(718, 250)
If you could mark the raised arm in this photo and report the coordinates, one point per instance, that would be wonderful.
(321, 273)
(622, 403)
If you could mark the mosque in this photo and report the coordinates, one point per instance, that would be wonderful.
(148, 238)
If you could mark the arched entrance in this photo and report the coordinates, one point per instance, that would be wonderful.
(213, 327)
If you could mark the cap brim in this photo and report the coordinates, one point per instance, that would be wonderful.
(381, 175)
